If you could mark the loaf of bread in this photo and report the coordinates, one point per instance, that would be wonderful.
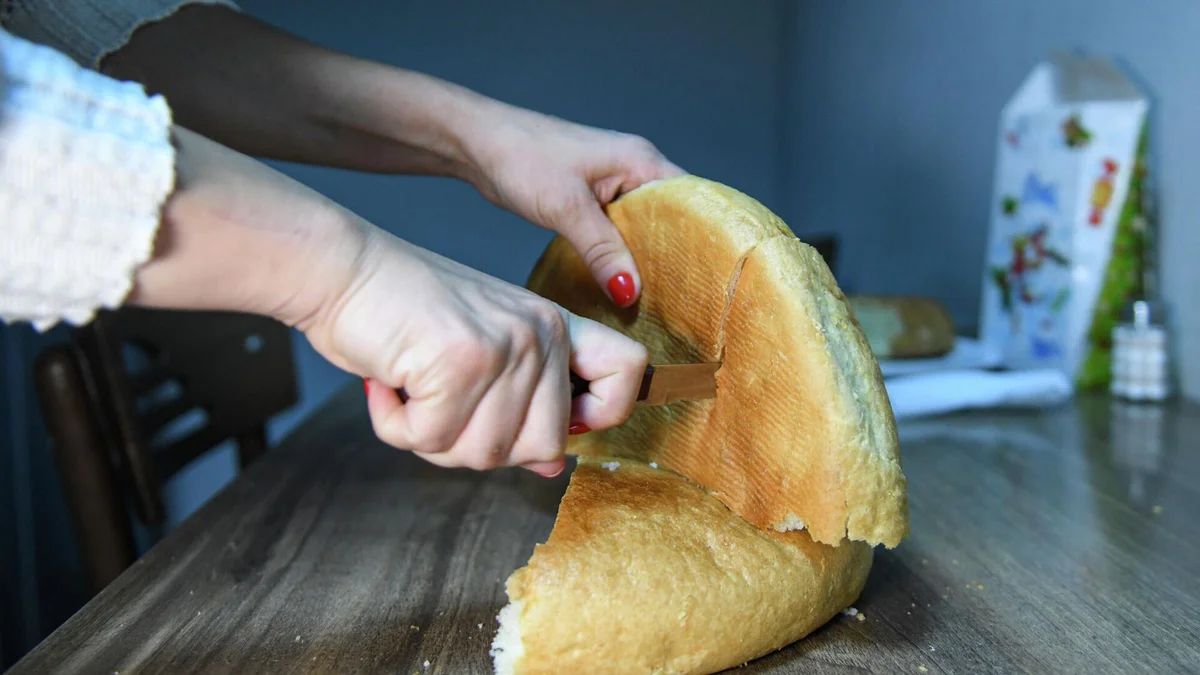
(904, 327)
(646, 573)
(801, 433)
(704, 534)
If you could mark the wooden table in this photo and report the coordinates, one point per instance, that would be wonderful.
(1052, 542)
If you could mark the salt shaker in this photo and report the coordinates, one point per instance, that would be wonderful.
(1139, 354)
(1140, 351)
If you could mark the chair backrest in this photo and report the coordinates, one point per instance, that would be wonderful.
(138, 394)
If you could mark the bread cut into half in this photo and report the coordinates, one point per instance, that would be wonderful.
(801, 433)
(645, 572)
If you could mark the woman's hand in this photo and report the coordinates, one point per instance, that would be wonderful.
(484, 363)
(560, 176)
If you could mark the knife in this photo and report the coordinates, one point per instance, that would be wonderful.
(660, 384)
(665, 384)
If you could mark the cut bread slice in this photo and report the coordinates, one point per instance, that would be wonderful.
(644, 572)
(801, 433)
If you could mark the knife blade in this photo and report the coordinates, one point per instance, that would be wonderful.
(668, 383)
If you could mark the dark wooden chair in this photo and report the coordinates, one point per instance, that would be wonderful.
(117, 399)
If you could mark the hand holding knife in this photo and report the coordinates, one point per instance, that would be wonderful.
(661, 385)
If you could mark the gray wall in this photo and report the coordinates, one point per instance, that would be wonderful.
(895, 111)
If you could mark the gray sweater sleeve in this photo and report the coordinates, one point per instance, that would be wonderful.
(87, 30)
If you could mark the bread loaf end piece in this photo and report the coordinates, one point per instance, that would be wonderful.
(645, 572)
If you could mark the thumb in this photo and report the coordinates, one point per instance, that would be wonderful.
(603, 249)
(612, 363)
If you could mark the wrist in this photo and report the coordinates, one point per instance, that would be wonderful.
(438, 128)
(237, 236)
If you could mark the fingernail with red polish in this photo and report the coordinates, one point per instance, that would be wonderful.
(366, 386)
(576, 429)
(621, 289)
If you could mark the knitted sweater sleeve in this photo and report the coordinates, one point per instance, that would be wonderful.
(87, 30)
(86, 163)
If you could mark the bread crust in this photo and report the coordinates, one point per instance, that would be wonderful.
(801, 433)
(645, 572)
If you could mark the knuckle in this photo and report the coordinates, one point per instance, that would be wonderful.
(602, 253)
(431, 439)
(639, 145)
(474, 357)
(524, 337)
(543, 442)
(492, 457)
(638, 358)
(553, 324)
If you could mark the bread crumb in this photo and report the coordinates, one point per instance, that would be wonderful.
(861, 617)
(1157, 509)
(297, 638)
(426, 664)
(653, 465)
(480, 626)
(611, 466)
(412, 627)
(850, 611)
(922, 669)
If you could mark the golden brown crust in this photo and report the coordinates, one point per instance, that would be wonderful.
(646, 573)
(904, 327)
(801, 431)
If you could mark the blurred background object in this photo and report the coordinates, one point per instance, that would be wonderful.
(139, 394)
(869, 124)
(900, 327)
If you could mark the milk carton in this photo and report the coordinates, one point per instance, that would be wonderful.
(1063, 248)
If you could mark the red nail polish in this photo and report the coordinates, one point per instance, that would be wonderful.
(621, 288)
(366, 386)
(576, 429)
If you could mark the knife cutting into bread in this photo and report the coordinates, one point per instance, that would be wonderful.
(666, 384)
(661, 385)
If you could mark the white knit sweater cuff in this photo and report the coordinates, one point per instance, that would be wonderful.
(86, 163)
(89, 30)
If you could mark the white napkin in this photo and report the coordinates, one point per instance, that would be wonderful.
(939, 392)
(967, 353)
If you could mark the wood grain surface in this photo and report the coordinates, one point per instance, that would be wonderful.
(1063, 541)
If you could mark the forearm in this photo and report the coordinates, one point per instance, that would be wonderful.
(236, 235)
(266, 93)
